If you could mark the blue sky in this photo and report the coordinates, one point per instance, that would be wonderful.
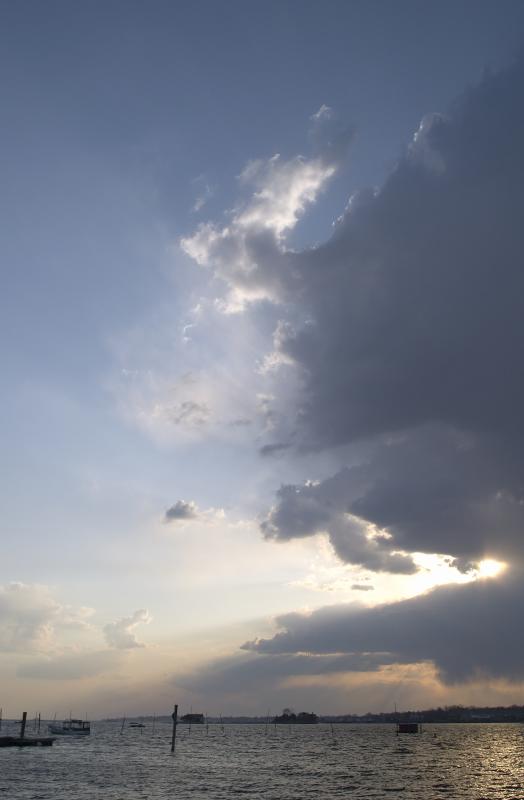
(129, 381)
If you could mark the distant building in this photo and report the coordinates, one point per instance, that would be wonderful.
(193, 719)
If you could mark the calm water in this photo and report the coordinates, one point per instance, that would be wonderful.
(366, 761)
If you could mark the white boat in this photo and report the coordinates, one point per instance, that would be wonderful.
(70, 727)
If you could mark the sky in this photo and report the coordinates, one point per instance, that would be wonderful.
(261, 342)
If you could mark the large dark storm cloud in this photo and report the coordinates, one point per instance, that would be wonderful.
(415, 342)
(417, 299)
(432, 490)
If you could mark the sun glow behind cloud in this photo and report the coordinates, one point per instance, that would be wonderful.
(328, 575)
(490, 568)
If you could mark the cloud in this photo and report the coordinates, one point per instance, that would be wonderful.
(188, 414)
(27, 617)
(120, 634)
(204, 193)
(411, 344)
(432, 490)
(249, 252)
(415, 293)
(274, 449)
(30, 617)
(204, 387)
(467, 631)
(323, 507)
(181, 511)
(324, 112)
(247, 672)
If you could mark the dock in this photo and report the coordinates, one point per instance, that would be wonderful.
(26, 741)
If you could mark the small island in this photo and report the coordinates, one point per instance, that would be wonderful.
(288, 717)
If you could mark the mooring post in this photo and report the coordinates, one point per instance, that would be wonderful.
(174, 716)
(39, 722)
(22, 730)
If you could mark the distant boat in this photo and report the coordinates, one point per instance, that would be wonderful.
(70, 727)
(136, 725)
(408, 727)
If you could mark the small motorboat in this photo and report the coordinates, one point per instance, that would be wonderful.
(70, 727)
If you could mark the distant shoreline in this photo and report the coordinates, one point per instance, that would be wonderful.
(449, 714)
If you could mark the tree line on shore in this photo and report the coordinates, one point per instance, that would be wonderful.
(454, 713)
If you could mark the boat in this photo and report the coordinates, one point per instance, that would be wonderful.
(136, 725)
(408, 727)
(70, 727)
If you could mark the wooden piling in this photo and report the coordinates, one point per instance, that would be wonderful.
(174, 716)
(24, 720)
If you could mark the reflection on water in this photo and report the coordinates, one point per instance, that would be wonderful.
(357, 761)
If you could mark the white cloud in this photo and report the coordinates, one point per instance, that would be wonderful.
(204, 193)
(324, 112)
(249, 251)
(283, 190)
(120, 634)
(30, 618)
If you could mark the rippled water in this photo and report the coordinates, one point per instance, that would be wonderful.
(364, 761)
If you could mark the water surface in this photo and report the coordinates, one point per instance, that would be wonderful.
(471, 761)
